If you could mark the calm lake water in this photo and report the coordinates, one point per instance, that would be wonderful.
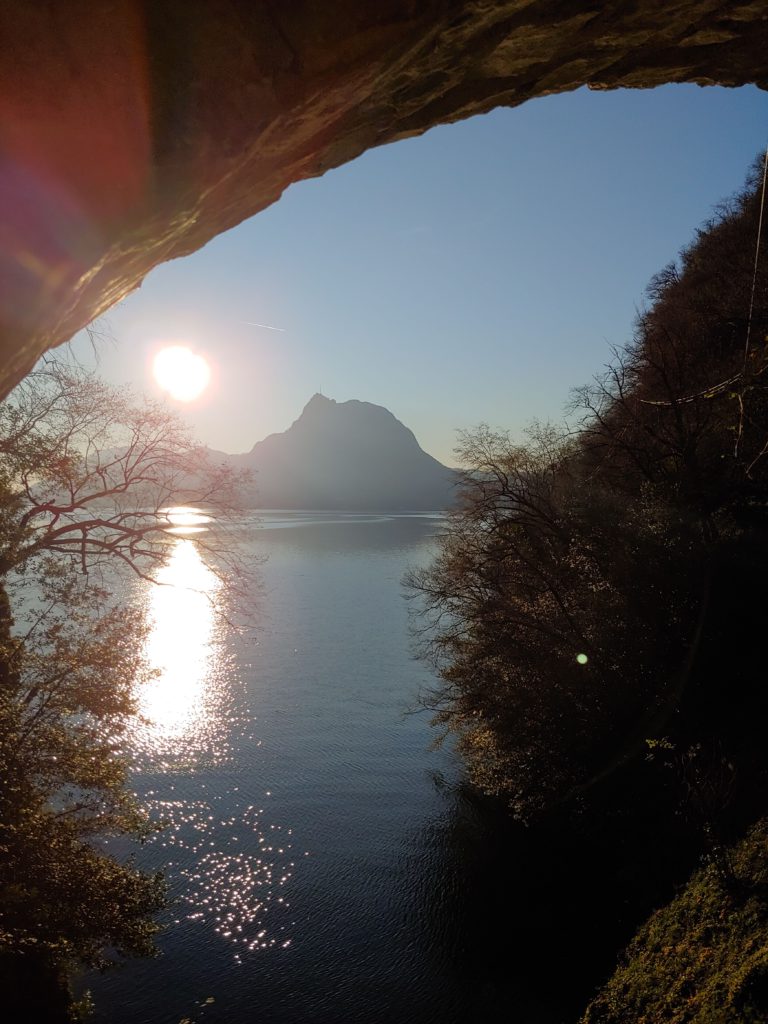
(322, 863)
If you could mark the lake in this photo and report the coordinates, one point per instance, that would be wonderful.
(322, 863)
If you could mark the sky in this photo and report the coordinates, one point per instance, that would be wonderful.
(474, 274)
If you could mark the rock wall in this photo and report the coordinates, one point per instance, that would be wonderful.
(133, 132)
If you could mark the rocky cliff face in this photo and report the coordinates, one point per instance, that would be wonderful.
(346, 455)
(132, 132)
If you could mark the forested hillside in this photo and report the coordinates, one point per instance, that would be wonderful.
(595, 613)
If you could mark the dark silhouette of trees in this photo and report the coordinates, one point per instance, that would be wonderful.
(86, 478)
(683, 408)
(572, 591)
(538, 617)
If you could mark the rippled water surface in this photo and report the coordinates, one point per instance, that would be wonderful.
(315, 847)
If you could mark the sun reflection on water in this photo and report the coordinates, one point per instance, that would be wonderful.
(185, 520)
(183, 707)
(235, 869)
(230, 867)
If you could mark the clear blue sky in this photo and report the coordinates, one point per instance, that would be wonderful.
(473, 274)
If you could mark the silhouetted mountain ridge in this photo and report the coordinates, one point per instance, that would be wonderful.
(346, 455)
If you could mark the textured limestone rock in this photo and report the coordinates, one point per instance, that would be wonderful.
(133, 132)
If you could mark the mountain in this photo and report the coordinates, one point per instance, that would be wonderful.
(346, 455)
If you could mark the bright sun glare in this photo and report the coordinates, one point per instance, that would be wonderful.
(181, 373)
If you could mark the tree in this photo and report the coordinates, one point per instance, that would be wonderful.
(542, 630)
(86, 478)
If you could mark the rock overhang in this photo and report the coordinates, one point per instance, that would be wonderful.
(133, 132)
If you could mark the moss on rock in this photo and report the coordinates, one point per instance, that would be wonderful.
(702, 959)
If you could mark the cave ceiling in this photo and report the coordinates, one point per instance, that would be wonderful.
(133, 132)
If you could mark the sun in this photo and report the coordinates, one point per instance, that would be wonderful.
(181, 373)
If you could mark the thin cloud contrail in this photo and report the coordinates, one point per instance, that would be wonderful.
(250, 323)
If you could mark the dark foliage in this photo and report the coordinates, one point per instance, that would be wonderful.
(573, 594)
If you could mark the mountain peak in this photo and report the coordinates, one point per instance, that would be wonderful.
(349, 455)
(317, 409)
(319, 400)
(351, 410)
